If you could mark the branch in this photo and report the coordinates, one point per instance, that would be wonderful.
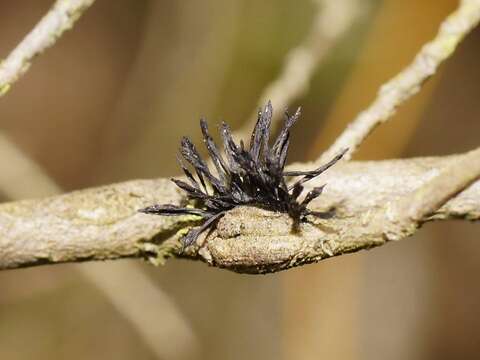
(27, 179)
(332, 21)
(410, 211)
(408, 82)
(51, 27)
(103, 223)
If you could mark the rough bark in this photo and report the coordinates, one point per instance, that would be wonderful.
(103, 223)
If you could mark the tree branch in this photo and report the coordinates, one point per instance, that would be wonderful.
(423, 202)
(374, 201)
(408, 82)
(27, 179)
(50, 28)
(103, 223)
(333, 19)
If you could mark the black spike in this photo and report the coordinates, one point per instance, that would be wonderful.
(253, 176)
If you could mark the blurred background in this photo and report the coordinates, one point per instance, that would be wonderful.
(110, 101)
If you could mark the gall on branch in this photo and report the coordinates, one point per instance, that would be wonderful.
(253, 176)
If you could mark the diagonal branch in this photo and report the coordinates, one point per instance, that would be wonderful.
(103, 223)
(333, 19)
(27, 179)
(408, 82)
(50, 28)
(394, 199)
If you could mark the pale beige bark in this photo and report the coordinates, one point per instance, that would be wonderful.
(60, 18)
(152, 306)
(103, 223)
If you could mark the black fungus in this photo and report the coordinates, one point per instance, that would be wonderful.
(252, 176)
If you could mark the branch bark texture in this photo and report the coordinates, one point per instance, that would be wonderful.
(103, 223)
(374, 201)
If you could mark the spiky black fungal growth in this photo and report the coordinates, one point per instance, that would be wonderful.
(251, 176)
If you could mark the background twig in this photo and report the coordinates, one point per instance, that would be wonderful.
(333, 19)
(362, 289)
(408, 82)
(27, 179)
(60, 18)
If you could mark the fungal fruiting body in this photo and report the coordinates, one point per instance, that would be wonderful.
(253, 176)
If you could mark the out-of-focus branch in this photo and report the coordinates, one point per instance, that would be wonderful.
(149, 309)
(332, 21)
(408, 82)
(103, 223)
(61, 17)
(158, 318)
(26, 179)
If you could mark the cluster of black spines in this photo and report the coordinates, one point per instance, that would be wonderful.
(253, 176)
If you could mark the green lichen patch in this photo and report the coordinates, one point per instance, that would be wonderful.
(4, 89)
(160, 248)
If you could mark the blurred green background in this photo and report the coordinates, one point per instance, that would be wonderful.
(110, 101)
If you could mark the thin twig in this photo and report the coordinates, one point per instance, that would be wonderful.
(61, 17)
(333, 20)
(408, 82)
(103, 223)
